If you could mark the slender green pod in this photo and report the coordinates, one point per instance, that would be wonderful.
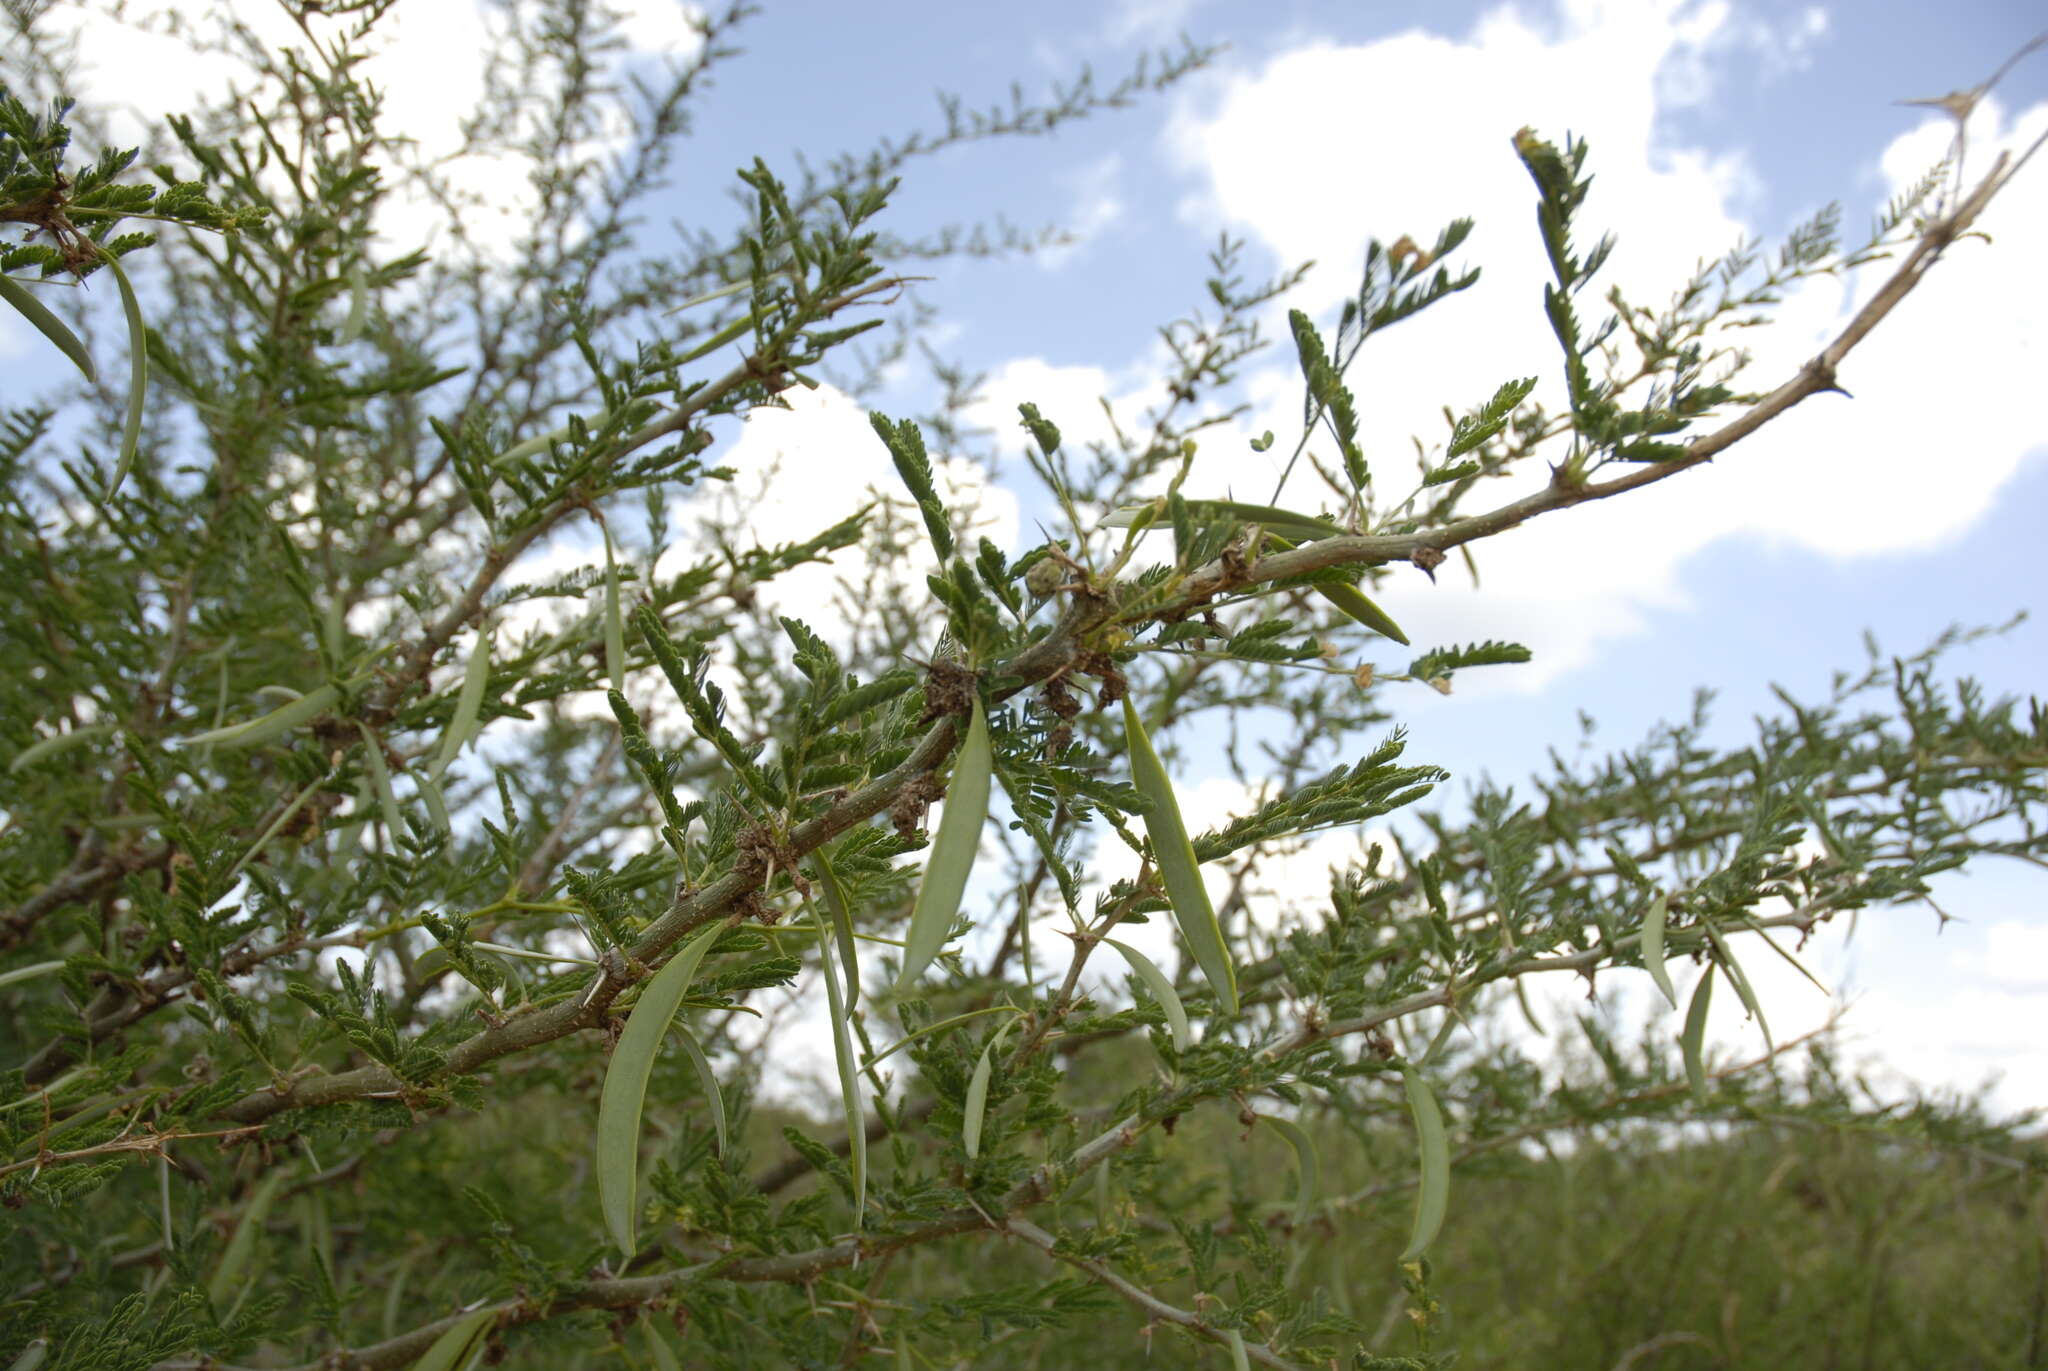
(849, 1074)
(976, 1106)
(1433, 1195)
(1653, 946)
(1693, 1041)
(952, 857)
(614, 622)
(138, 371)
(1178, 870)
(1162, 991)
(234, 1258)
(358, 305)
(907, 1039)
(469, 703)
(1359, 606)
(380, 781)
(658, 1348)
(436, 802)
(56, 743)
(1354, 602)
(625, 1087)
(284, 718)
(1305, 1161)
(452, 1349)
(708, 1079)
(30, 972)
(1240, 1360)
(836, 905)
(1740, 981)
(1302, 526)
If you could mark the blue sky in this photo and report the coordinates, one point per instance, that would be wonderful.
(1916, 504)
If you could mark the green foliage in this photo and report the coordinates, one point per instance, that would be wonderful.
(401, 956)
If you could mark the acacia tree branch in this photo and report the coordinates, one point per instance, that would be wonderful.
(1817, 375)
(1155, 1309)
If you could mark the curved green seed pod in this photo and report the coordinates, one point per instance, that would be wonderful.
(976, 1106)
(55, 743)
(1739, 981)
(30, 972)
(708, 1079)
(657, 1346)
(138, 371)
(1239, 1359)
(945, 875)
(1303, 526)
(436, 802)
(1694, 1039)
(358, 305)
(469, 703)
(31, 1356)
(236, 1255)
(1433, 1195)
(1359, 606)
(625, 1087)
(1162, 991)
(842, 925)
(452, 1349)
(47, 324)
(380, 779)
(849, 1074)
(1354, 602)
(1178, 870)
(1305, 1161)
(303, 710)
(614, 624)
(1653, 946)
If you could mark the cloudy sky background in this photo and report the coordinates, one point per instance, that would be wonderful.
(1914, 505)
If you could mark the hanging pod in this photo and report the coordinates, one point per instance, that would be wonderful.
(452, 1349)
(380, 781)
(1694, 1039)
(842, 1051)
(227, 1275)
(841, 911)
(1740, 981)
(469, 703)
(1653, 946)
(707, 1080)
(977, 1093)
(138, 371)
(1433, 1194)
(1305, 1162)
(625, 1087)
(952, 854)
(56, 743)
(1162, 991)
(1178, 870)
(658, 1348)
(305, 709)
(614, 622)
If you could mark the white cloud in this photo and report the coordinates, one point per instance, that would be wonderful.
(1070, 396)
(803, 469)
(427, 61)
